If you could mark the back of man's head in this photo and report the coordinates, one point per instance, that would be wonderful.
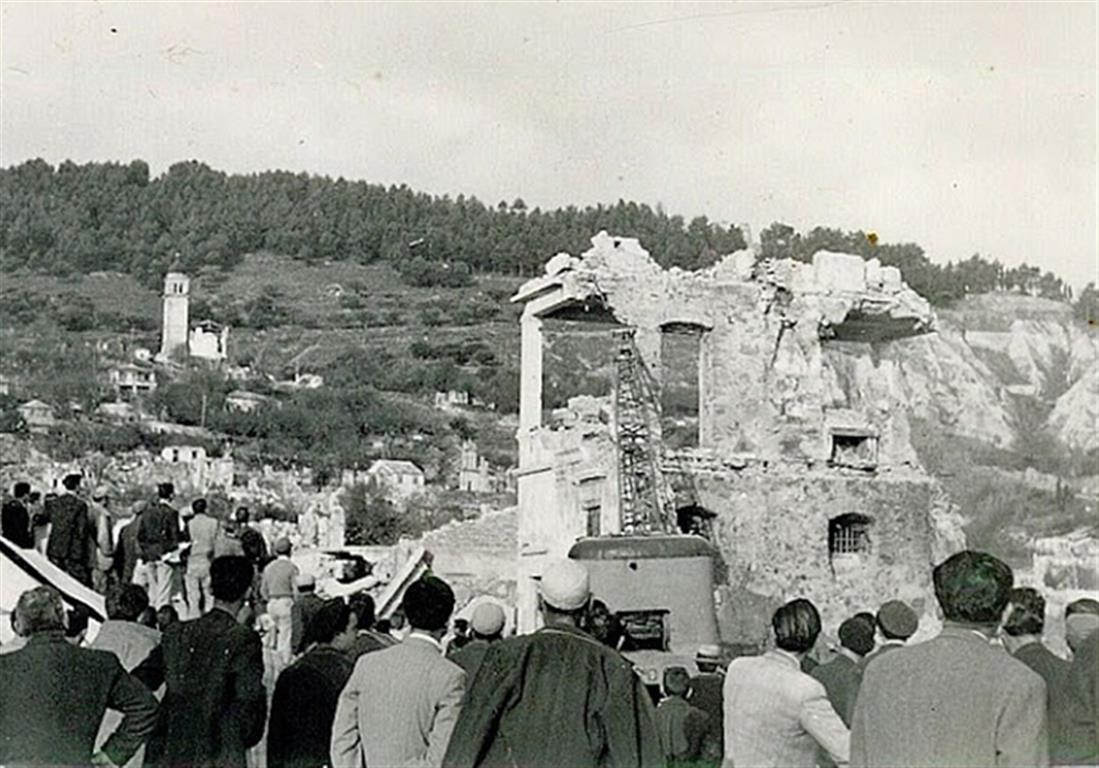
(796, 626)
(857, 635)
(230, 578)
(165, 491)
(76, 623)
(896, 620)
(126, 602)
(362, 605)
(21, 489)
(71, 482)
(428, 603)
(676, 681)
(1027, 615)
(198, 506)
(39, 610)
(330, 620)
(488, 621)
(973, 587)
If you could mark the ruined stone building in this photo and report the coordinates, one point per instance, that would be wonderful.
(793, 431)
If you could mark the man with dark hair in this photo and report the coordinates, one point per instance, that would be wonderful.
(842, 675)
(775, 714)
(71, 535)
(367, 636)
(954, 700)
(202, 530)
(557, 696)
(895, 622)
(215, 704)
(53, 695)
(486, 628)
(128, 640)
(1022, 637)
(400, 704)
(15, 520)
(158, 537)
(303, 706)
(681, 726)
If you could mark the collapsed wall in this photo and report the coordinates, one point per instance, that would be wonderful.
(802, 449)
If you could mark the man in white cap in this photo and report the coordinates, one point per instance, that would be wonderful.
(556, 697)
(487, 626)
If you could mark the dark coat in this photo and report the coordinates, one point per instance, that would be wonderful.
(215, 704)
(841, 678)
(706, 691)
(301, 614)
(158, 531)
(71, 536)
(1067, 744)
(53, 696)
(555, 697)
(470, 656)
(128, 551)
(368, 641)
(15, 523)
(303, 708)
(1084, 679)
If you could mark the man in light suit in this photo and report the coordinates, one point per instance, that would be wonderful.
(955, 700)
(775, 714)
(401, 703)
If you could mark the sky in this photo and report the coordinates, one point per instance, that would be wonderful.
(965, 127)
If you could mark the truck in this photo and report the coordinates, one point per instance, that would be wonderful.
(661, 589)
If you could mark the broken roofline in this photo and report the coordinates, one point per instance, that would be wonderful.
(868, 294)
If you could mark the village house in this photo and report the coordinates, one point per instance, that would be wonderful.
(132, 380)
(37, 415)
(397, 478)
(474, 472)
(243, 401)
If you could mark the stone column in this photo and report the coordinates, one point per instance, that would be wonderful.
(530, 372)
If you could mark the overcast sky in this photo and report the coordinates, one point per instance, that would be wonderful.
(962, 126)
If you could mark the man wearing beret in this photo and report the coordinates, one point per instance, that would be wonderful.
(486, 627)
(557, 696)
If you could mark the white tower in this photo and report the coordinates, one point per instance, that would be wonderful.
(173, 332)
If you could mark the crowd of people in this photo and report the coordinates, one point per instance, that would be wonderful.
(423, 688)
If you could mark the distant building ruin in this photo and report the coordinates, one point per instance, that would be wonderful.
(793, 432)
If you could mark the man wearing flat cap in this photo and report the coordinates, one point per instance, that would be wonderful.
(896, 623)
(557, 696)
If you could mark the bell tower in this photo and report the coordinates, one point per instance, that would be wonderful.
(174, 328)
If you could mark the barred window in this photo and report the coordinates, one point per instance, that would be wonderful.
(849, 534)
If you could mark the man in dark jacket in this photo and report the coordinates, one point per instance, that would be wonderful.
(305, 607)
(15, 520)
(487, 625)
(71, 534)
(1084, 679)
(367, 636)
(53, 695)
(557, 696)
(1022, 636)
(158, 535)
(304, 703)
(841, 676)
(215, 704)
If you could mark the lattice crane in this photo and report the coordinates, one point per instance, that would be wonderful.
(656, 494)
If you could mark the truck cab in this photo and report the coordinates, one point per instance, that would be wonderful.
(661, 588)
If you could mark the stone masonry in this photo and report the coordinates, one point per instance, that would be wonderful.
(803, 451)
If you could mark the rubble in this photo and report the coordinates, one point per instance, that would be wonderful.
(800, 427)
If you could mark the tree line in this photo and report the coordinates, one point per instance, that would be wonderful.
(114, 216)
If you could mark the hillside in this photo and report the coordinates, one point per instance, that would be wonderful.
(1003, 399)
